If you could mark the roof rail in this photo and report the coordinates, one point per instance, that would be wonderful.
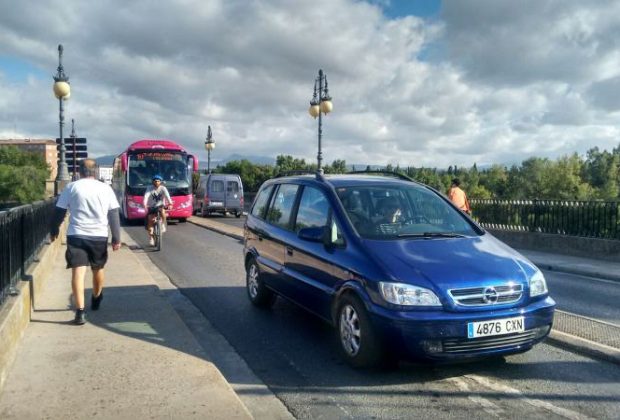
(295, 172)
(385, 173)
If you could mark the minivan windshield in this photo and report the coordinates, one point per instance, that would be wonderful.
(402, 212)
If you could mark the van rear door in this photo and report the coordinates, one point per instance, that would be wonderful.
(217, 192)
(233, 194)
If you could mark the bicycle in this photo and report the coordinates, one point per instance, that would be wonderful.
(157, 228)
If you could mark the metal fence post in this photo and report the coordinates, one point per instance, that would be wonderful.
(537, 215)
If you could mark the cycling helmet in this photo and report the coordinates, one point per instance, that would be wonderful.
(157, 177)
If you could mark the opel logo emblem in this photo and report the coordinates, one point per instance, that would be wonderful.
(489, 295)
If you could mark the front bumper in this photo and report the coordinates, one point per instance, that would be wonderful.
(140, 213)
(442, 335)
(181, 208)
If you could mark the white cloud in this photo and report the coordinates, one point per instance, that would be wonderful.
(507, 80)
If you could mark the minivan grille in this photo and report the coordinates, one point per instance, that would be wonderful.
(489, 295)
(462, 345)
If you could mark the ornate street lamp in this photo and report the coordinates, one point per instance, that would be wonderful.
(321, 103)
(62, 90)
(209, 145)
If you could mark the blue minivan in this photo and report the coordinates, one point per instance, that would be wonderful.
(394, 266)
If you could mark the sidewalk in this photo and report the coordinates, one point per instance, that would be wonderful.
(601, 269)
(585, 335)
(135, 358)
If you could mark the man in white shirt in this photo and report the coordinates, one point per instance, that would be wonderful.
(93, 207)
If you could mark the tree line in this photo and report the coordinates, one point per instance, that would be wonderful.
(595, 176)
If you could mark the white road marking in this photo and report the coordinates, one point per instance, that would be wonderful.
(488, 407)
(563, 412)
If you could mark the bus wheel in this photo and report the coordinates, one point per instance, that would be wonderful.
(182, 220)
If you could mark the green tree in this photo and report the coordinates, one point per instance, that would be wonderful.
(602, 171)
(285, 163)
(495, 180)
(473, 177)
(22, 175)
(480, 191)
(564, 180)
(337, 167)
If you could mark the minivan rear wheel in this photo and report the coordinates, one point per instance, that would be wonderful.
(359, 343)
(258, 293)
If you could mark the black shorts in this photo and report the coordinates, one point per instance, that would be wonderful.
(86, 252)
(154, 210)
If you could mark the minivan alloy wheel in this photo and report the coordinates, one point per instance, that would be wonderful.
(258, 293)
(350, 333)
(253, 281)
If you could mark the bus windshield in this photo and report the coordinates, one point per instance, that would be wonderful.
(172, 166)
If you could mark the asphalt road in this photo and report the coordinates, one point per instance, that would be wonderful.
(295, 354)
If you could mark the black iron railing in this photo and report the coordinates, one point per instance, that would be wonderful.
(23, 230)
(593, 219)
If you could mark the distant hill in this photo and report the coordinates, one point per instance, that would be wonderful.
(106, 160)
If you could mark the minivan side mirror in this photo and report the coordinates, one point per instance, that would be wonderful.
(313, 234)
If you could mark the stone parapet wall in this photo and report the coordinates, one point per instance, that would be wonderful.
(568, 245)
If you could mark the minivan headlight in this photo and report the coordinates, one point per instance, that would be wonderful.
(538, 285)
(408, 295)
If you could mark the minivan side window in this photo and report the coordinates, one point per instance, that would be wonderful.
(282, 205)
(232, 186)
(217, 186)
(262, 200)
(313, 209)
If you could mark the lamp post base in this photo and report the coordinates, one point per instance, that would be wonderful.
(60, 185)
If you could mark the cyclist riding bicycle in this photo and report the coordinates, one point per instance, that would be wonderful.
(155, 200)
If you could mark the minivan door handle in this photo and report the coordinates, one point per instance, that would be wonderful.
(289, 251)
(261, 234)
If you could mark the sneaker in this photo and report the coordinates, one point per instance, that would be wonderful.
(80, 317)
(152, 242)
(96, 301)
(163, 228)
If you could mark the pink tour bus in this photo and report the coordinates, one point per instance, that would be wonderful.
(134, 170)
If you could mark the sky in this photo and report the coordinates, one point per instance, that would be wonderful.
(414, 83)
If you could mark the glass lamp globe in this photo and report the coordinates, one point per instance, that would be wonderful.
(326, 106)
(314, 110)
(62, 89)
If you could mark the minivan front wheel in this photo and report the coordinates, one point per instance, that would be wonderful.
(258, 293)
(359, 343)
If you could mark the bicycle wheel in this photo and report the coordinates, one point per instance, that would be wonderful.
(158, 234)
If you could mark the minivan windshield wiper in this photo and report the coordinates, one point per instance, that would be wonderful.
(431, 235)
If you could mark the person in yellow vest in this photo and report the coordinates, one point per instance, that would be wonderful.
(458, 196)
